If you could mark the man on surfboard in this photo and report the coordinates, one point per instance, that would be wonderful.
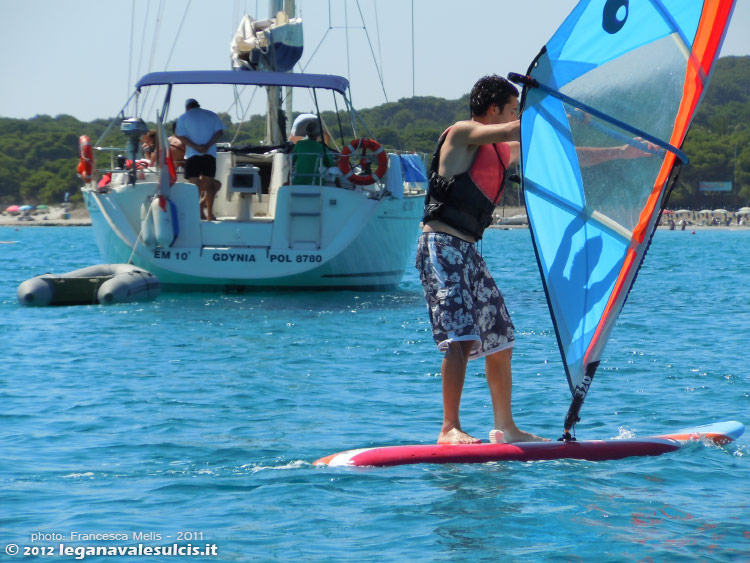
(467, 311)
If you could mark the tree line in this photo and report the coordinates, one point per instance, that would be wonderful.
(38, 156)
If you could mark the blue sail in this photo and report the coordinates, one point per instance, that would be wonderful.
(606, 106)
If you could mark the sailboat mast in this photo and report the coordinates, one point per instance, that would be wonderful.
(275, 131)
(290, 7)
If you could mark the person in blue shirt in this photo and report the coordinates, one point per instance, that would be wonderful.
(199, 129)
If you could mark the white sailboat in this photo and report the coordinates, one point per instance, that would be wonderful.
(354, 228)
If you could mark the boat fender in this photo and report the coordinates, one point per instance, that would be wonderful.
(164, 215)
(147, 226)
(86, 164)
(364, 145)
(175, 220)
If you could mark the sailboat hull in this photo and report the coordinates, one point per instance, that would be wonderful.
(358, 243)
(282, 215)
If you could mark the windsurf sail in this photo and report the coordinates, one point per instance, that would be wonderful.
(605, 107)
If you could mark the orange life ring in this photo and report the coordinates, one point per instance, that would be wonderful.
(86, 164)
(365, 145)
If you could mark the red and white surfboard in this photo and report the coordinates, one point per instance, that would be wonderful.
(719, 433)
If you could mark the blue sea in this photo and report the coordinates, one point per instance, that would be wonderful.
(195, 419)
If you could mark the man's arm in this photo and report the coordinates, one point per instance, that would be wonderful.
(187, 142)
(464, 138)
(473, 133)
(591, 156)
(515, 152)
(204, 147)
(213, 140)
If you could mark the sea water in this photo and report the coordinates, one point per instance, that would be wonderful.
(193, 420)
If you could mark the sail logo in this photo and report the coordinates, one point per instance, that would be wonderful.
(583, 387)
(614, 15)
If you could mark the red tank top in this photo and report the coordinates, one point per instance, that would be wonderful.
(486, 173)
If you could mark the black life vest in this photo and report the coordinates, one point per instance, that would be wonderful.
(466, 201)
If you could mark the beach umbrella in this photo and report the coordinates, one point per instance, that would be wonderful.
(706, 212)
(683, 212)
(668, 212)
(26, 208)
(720, 211)
(744, 211)
(13, 209)
(42, 206)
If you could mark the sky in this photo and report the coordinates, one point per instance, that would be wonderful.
(82, 57)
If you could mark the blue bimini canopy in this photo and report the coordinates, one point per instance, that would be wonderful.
(246, 78)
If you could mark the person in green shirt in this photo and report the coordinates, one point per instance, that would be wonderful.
(309, 155)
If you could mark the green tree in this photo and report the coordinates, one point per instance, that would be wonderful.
(32, 151)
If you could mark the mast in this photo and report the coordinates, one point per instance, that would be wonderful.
(275, 130)
(290, 7)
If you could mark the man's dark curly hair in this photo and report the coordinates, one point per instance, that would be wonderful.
(490, 90)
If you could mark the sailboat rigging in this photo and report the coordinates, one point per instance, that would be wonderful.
(633, 69)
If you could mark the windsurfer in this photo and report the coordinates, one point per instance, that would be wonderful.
(467, 310)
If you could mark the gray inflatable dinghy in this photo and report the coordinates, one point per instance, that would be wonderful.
(103, 283)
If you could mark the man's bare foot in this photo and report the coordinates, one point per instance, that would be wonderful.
(456, 436)
(210, 218)
(517, 435)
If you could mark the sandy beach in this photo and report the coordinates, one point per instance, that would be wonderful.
(505, 217)
(78, 216)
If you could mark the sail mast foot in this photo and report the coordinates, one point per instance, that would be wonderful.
(571, 419)
(579, 394)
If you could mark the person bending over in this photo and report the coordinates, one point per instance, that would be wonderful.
(199, 129)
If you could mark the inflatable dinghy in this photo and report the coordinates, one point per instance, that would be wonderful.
(103, 283)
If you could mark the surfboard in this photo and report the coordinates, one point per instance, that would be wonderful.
(719, 433)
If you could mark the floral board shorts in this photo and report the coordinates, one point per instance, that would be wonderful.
(462, 298)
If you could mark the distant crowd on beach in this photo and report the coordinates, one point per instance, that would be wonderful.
(56, 215)
(683, 218)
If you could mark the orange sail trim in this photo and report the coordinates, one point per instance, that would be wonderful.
(608, 317)
(639, 235)
(707, 42)
(642, 228)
